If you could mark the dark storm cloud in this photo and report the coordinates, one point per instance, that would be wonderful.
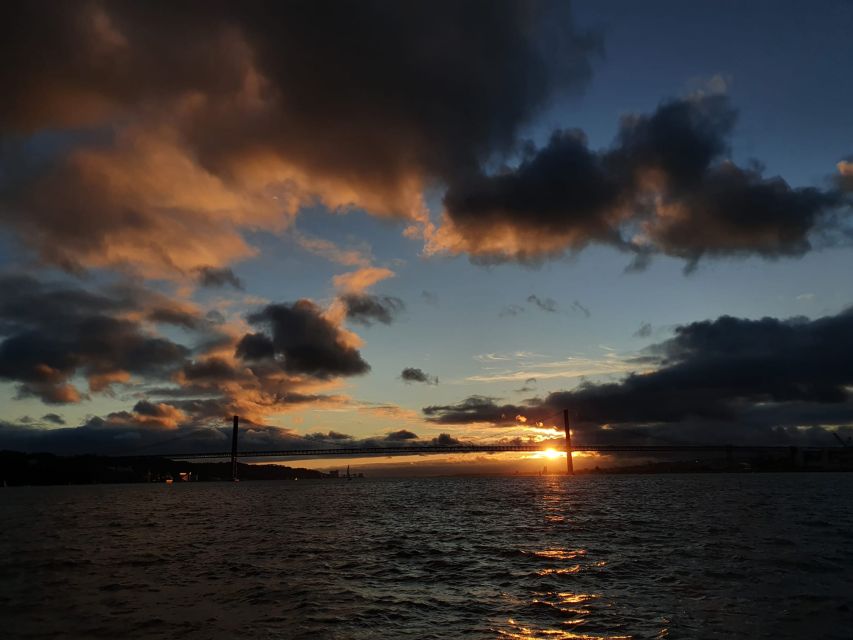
(562, 189)
(362, 99)
(51, 332)
(329, 436)
(301, 340)
(727, 375)
(213, 108)
(175, 316)
(411, 374)
(256, 346)
(211, 369)
(213, 277)
(365, 308)
(54, 334)
(26, 301)
(663, 187)
(400, 71)
(401, 436)
(475, 409)
(408, 64)
(715, 369)
(546, 304)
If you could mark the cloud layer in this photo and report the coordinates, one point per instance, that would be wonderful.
(301, 340)
(729, 377)
(57, 336)
(50, 333)
(665, 186)
(190, 121)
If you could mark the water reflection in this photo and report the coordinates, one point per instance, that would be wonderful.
(557, 604)
(521, 632)
(464, 558)
(560, 554)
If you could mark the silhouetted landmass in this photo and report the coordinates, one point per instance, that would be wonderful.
(44, 469)
(825, 459)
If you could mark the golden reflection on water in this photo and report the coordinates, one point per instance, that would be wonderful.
(520, 632)
(574, 608)
(558, 571)
(575, 611)
(560, 554)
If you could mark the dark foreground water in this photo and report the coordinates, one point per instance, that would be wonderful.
(715, 556)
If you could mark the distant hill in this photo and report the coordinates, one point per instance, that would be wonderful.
(18, 468)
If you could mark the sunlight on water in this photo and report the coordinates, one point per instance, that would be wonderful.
(520, 632)
(560, 554)
(479, 558)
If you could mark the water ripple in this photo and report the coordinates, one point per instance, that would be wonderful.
(753, 556)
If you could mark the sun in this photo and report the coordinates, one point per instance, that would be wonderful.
(552, 453)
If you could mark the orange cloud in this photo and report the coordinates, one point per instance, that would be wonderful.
(361, 279)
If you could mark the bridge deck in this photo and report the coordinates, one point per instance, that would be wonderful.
(430, 449)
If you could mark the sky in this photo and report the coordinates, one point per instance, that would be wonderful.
(426, 222)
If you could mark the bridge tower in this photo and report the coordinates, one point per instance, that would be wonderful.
(570, 465)
(234, 449)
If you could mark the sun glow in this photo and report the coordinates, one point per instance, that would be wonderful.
(551, 454)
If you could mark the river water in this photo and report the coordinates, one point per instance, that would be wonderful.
(675, 556)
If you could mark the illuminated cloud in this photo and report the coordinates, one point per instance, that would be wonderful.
(55, 335)
(350, 257)
(665, 176)
(845, 175)
(195, 121)
(354, 282)
(184, 126)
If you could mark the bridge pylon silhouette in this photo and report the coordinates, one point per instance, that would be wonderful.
(234, 477)
(838, 456)
(570, 465)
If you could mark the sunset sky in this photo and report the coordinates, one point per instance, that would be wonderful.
(376, 222)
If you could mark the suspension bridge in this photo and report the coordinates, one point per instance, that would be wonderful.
(729, 450)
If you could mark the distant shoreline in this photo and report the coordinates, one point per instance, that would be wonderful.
(36, 469)
(45, 469)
